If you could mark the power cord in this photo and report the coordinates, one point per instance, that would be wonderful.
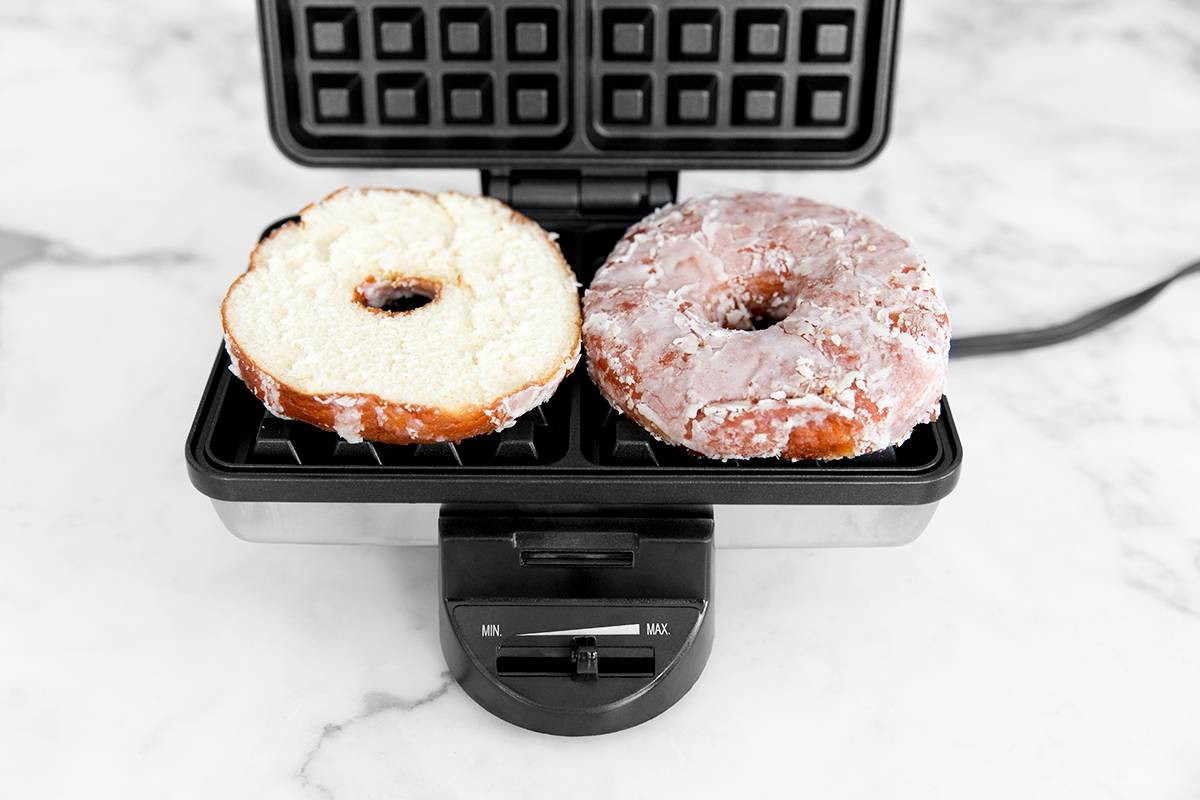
(1012, 341)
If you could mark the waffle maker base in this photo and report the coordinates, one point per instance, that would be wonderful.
(575, 551)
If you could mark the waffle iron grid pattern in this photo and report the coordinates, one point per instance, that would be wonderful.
(578, 81)
(492, 72)
(684, 70)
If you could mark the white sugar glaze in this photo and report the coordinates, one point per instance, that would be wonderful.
(347, 416)
(510, 408)
(856, 361)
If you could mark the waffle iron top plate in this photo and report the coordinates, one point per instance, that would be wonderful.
(568, 84)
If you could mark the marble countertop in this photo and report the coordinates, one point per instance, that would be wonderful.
(1042, 639)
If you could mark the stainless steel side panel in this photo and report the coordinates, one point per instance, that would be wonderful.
(416, 524)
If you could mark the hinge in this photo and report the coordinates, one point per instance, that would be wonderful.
(584, 193)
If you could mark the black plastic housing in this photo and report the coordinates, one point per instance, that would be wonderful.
(573, 84)
(576, 624)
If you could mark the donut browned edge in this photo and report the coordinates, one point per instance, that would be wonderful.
(383, 420)
(832, 438)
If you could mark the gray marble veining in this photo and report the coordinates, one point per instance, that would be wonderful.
(1042, 639)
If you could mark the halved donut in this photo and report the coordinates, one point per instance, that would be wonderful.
(400, 316)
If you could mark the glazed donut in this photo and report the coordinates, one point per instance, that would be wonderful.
(855, 359)
(310, 330)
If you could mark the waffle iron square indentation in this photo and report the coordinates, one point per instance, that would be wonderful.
(532, 33)
(399, 32)
(694, 34)
(332, 32)
(403, 98)
(466, 33)
(827, 35)
(338, 97)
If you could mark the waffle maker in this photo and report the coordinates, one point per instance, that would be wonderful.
(575, 551)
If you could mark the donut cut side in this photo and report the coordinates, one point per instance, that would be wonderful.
(853, 358)
(404, 317)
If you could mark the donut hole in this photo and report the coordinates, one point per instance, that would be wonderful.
(396, 295)
(762, 323)
(755, 311)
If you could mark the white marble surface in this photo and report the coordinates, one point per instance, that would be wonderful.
(1042, 639)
